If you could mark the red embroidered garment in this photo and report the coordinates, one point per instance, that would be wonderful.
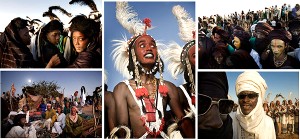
(193, 100)
(150, 115)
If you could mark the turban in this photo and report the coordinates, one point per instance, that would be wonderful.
(251, 81)
(242, 35)
(12, 113)
(48, 104)
(75, 108)
(280, 34)
(213, 84)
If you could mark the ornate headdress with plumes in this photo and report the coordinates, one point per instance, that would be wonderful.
(123, 48)
(176, 55)
(95, 14)
(53, 16)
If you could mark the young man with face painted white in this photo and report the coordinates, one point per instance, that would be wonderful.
(277, 58)
(250, 120)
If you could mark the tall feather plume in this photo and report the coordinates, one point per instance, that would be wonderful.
(268, 97)
(51, 15)
(278, 96)
(60, 9)
(105, 76)
(121, 57)
(186, 23)
(89, 3)
(290, 96)
(128, 18)
(172, 55)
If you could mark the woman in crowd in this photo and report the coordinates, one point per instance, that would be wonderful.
(85, 40)
(14, 52)
(50, 55)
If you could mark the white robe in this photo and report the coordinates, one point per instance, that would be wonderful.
(60, 124)
(265, 130)
(19, 132)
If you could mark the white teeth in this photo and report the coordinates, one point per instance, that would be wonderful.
(149, 55)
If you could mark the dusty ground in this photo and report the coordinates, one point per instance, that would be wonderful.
(288, 136)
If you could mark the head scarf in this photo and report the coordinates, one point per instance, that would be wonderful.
(251, 81)
(280, 34)
(213, 84)
(265, 28)
(12, 113)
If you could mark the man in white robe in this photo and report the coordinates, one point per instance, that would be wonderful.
(250, 120)
(20, 130)
(60, 123)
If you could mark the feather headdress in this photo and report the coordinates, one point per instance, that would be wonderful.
(129, 20)
(89, 3)
(63, 11)
(175, 54)
(95, 14)
(51, 15)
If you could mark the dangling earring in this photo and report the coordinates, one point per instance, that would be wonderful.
(163, 89)
(88, 45)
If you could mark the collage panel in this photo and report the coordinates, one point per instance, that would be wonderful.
(51, 34)
(260, 34)
(51, 104)
(141, 69)
(248, 104)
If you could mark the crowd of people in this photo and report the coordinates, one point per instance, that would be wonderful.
(265, 39)
(30, 44)
(285, 116)
(52, 117)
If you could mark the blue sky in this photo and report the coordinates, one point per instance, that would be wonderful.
(70, 80)
(278, 82)
(166, 30)
(9, 9)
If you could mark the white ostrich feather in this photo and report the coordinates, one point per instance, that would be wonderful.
(268, 97)
(290, 96)
(172, 55)
(186, 23)
(128, 18)
(121, 57)
(105, 76)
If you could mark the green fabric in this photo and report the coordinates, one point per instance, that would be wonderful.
(230, 48)
(74, 129)
(67, 110)
(61, 44)
(252, 42)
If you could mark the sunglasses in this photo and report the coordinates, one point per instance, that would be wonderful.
(251, 96)
(205, 103)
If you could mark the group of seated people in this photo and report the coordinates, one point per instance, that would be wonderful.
(59, 123)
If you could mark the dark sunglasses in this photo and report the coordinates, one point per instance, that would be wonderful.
(205, 103)
(251, 96)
